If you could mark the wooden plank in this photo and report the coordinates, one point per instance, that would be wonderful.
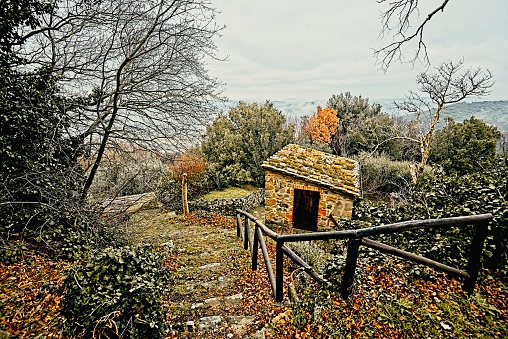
(475, 256)
(413, 257)
(279, 271)
(350, 234)
(246, 232)
(268, 263)
(238, 224)
(255, 248)
(271, 234)
(299, 261)
(419, 224)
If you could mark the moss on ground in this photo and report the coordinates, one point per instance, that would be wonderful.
(228, 193)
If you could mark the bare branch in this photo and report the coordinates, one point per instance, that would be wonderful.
(402, 12)
(141, 64)
(447, 85)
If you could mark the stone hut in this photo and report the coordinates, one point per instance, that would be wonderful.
(304, 186)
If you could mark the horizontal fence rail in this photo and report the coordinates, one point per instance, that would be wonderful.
(255, 239)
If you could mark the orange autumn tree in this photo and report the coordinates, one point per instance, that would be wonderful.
(321, 125)
(185, 167)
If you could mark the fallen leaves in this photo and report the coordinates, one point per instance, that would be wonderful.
(390, 302)
(29, 302)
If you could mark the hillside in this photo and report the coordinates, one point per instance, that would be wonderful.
(492, 112)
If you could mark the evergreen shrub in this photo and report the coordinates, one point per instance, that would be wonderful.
(441, 196)
(116, 293)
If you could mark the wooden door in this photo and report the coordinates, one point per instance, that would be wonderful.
(305, 209)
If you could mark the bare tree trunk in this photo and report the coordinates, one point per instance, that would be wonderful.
(427, 141)
(447, 85)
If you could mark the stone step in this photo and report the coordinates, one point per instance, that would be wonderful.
(236, 323)
(217, 301)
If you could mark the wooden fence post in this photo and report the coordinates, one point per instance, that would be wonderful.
(255, 248)
(475, 254)
(238, 225)
(246, 232)
(349, 274)
(279, 272)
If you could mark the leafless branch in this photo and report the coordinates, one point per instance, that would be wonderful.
(402, 11)
(448, 84)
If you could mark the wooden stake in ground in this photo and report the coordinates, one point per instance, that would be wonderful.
(185, 202)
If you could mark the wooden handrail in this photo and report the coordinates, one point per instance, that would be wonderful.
(356, 239)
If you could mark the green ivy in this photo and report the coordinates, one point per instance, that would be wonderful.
(442, 196)
(115, 291)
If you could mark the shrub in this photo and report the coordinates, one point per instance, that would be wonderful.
(443, 196)
(74, 243)
(237, 143)
(382, 175)
(10, 251)
(116, 291)
(466, 147)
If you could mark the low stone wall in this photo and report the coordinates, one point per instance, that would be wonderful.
(228, 206)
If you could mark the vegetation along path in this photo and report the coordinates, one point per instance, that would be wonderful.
(213, 292)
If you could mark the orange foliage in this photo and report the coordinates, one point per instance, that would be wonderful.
(322, 125)
(188, 163)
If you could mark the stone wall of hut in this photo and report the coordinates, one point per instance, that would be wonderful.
(279, 200)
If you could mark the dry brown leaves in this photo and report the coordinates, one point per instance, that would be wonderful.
(376, 280)
(29, 301)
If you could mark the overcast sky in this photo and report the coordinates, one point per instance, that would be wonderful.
(309, 50)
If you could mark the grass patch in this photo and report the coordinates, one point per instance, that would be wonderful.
(228, 193)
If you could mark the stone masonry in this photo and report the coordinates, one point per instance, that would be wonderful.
(337, 179)
(279, 200)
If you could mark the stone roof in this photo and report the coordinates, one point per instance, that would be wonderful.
(320, 168)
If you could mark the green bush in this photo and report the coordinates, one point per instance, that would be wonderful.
(116, 293)
(382, 175)
(10, 251)
(236, 144)
(466, 147)
(74, 243)
(442, 196)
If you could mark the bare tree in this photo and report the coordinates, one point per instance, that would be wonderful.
(140, 65)
(449, 84)
(502, 144)
(403, 13)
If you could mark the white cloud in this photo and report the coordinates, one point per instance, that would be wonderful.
(311, 50)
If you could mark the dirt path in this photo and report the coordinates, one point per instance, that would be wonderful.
(213, 292)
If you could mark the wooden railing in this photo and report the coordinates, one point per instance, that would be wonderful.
(254, 239)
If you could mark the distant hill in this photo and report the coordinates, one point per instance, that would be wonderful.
(492, 112)
(289, 107)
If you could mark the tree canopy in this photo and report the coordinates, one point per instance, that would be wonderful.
(136, 69)
(350, 109)
(466, 147)
(321, 125)
(237, 143)
(38, 158)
